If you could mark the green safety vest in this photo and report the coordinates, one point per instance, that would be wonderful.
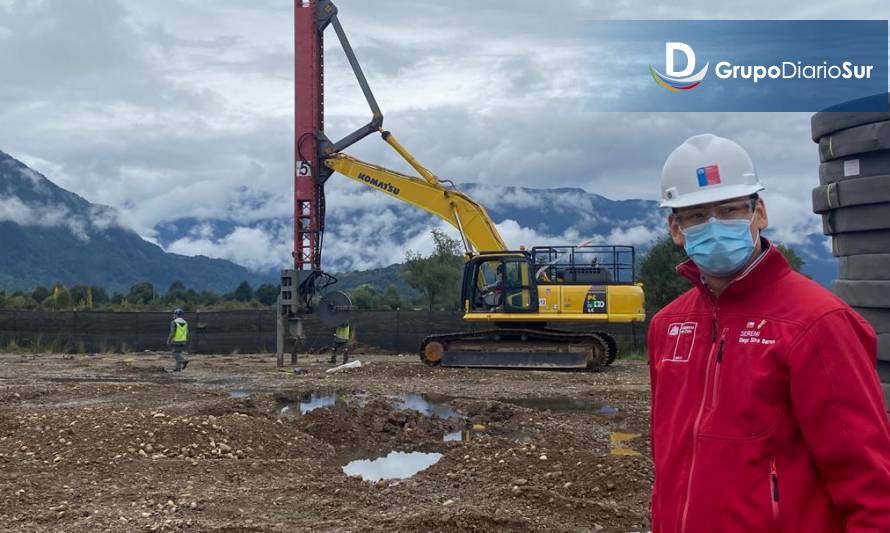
(342, 332)
(182, 330)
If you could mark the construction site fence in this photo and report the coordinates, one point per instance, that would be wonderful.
(230, 332)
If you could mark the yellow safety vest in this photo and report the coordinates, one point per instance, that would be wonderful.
(182, 330)
(342, 332)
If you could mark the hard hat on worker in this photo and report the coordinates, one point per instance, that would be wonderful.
(178, 312)
(705, 169)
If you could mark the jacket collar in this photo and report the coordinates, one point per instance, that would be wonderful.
(770, 266)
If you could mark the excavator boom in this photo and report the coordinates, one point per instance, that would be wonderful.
(475, 226)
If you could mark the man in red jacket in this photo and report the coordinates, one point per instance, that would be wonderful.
(767, 414)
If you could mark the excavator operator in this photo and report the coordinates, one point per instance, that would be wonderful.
(493, 293)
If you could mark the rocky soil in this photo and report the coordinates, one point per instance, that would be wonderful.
(118, 443)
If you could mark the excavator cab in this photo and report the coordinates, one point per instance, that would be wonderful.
(500, 283)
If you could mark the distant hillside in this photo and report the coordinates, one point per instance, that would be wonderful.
(379, 278)
(49, 235)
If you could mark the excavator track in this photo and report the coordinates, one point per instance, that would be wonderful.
(517, 348)
(611, 345)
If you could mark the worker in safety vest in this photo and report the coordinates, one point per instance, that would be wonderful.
(767, 414)
(178, 338)
(342, 338)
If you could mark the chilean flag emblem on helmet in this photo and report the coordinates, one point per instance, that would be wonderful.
(709, 175)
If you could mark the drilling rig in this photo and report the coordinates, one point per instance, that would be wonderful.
(515, 294)
(302, 285)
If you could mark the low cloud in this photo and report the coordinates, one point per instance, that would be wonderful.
(259, 249)
(14, 210)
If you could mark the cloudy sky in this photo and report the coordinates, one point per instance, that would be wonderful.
(168, 109)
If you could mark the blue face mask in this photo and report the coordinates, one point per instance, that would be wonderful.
(720, 247)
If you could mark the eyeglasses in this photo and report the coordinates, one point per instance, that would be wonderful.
(693, 216)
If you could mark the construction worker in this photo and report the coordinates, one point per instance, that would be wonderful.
(178, 338)
(767, 413)
(342, 339)
(493, 293)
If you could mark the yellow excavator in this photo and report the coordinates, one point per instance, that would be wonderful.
(517, 293)
(514, 300)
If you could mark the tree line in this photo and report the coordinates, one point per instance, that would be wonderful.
(142, 296)
(436, 278)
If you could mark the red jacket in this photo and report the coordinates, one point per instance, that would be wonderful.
(767, 414)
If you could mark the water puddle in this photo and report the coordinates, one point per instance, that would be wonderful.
(563, 404)
(426, 406)
(470, 433)
(311, 401)
(618, 441)
(457, 436)
(308, 402)
(240, 393)
(395, 465)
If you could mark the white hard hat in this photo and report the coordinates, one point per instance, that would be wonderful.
(707, 168)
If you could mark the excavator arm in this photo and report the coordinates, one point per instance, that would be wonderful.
(476, 228)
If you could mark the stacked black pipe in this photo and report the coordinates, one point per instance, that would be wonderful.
(853, 198)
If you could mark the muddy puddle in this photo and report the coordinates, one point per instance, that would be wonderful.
(562, 404)
(309, 402)
(317, 400)
(620, 443)
(478, 430)
(395, 465)
(426, 405)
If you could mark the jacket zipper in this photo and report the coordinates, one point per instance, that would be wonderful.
(695, 427)
(774, 487)
(716, 385)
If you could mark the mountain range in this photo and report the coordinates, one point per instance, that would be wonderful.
(370, 231)
(49, 234)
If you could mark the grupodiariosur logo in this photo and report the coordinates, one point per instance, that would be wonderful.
(678, 80)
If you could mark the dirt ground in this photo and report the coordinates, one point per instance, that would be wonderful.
(118, 443)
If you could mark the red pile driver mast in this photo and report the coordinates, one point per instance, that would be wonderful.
(309, 123)
(301, 285)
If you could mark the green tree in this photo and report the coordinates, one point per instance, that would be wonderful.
(100, 296)
(117, 298)
(244, 292)
(365, 296)
(794, 260)
(437, 276)
(141, 293)
(267, 294)
(176, 292)
(21, 301)
(40, 294)
(391, 299)
(59, 299)
(191, 296)
(661, 283)
(81, 296)
(208, 298)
